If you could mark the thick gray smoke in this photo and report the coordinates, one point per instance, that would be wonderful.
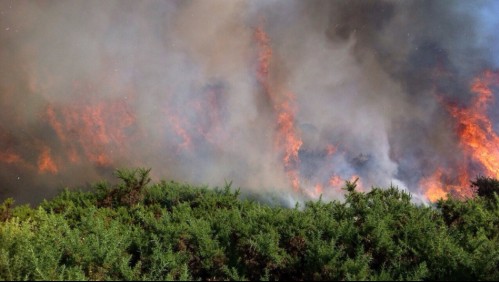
(90, 86)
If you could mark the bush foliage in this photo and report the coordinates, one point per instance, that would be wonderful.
(173, 231)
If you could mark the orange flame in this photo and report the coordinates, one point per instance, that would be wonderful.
(335, 181)
(59, 130)
(477, 138)
(331, 149)
(317, 191)
(46, 163)
(176, 124)
(287, 138)
(98, 129)
(209, 111)
(434, 190)
(441, 184)
(10, 158)
(264, 57)
(475, 129)
(290, 142)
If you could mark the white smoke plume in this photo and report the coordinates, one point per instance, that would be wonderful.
(173, 85)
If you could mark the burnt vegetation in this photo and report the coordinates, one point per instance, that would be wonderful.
(172, 231)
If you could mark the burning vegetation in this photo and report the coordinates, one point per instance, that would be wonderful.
(295, 101)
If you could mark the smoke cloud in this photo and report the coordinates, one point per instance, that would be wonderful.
(179, 86)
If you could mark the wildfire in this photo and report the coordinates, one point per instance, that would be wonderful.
(202, 124)
(476, 133)
(287, 139)
(59, 130)
(335, 181)
(94, 123)
(264, 57)
(91, 130)
(433, 185)
(441, 184)
(331, 149)
(177, 127)
(10, 158)
(208, 110)
(477, 139)
(317, 191)
(46, 163)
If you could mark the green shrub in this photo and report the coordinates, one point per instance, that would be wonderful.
(485, 186)
(173, 231)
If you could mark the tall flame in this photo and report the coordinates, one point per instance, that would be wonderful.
(477, 138)
(476, 133)
(287, 138)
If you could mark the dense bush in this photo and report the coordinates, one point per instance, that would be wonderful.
(172, 231)
(485, 186)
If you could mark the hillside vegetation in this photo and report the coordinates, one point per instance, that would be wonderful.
(169, 230)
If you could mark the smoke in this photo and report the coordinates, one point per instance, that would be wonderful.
(90, 86)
